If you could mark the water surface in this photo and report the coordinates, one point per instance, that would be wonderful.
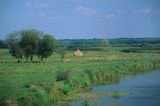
(137, 90)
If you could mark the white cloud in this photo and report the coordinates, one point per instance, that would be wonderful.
(41, 14)
(36, 5)
(37, 14)
(42, 17)
(85, 10)
(91, 13)
(144, 11)
(105, 16)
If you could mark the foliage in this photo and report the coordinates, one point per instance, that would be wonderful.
(61, 52)
(104, 43)
(38, 98)
(67, 89)
(13, 38)
(56, 92)
(53, 81)
(30, 42)
(116, 95)
(78, 79)
(17, 52)
(141, 49)
(3, 44)
(72, 44)
(61, 75)
(13, 41)
(46, 46)
(27, 43)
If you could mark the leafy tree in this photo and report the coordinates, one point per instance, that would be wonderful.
(13, 40)
(30, 43)
(3, 44)
(46, 46)
(61, 51)
(27, 43)
(104, 43)
(17, 52)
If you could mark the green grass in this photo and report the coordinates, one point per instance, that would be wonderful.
(52, 81)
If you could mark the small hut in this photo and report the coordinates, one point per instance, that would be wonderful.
(78, 53)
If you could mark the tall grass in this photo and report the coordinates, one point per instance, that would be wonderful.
(38, 97)
(45, 84)
(68, 83)
(86, 78)
(78, 79)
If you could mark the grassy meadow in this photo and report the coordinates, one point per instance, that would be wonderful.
(52, 81)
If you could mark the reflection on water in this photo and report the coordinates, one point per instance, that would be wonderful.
(137, 90)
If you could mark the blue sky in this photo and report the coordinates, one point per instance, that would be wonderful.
(82, 18)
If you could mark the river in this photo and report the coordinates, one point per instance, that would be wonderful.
(133, 90)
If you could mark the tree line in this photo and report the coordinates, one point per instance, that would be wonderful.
(117, 42)
(29, 43)
(25, 44)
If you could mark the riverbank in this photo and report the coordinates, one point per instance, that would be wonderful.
(132, 90)
(69, 83)
(53, 82)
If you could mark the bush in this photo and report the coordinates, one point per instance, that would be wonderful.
(67, 89)
(56, 92)
(78, 79)
(38, 97)
(59, 91)
(61, 75)
(116, 95)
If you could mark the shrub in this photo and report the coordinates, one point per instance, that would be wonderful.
(38, 97)
(116, 95)
(67, 89)
(61, 75)
(56, 93)
(78, 79)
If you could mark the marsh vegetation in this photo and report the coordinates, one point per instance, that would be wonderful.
(52, 81)
(61, 76)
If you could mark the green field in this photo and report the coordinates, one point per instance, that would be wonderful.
(46, 83)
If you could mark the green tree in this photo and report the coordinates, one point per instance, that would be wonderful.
(13, 41)
(27, 43)
(17, 52)
(13, 38)
(30, 43)
(46, 46)
(61, 52)
(104, 43)
(3, 44)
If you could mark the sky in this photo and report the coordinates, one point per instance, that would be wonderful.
(75, 19)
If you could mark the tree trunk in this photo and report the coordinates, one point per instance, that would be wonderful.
(62, 58)
(42, 59)
(19, 61)
(31, 58)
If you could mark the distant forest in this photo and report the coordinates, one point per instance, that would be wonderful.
(115, 42)
(72, 44)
